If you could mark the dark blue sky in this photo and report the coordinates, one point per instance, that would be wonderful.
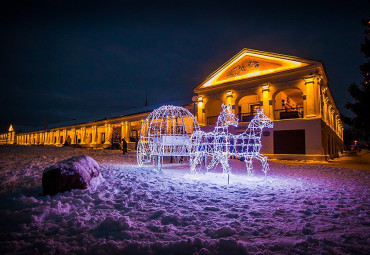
(64, 60)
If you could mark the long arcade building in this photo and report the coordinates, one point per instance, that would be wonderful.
(292, 91)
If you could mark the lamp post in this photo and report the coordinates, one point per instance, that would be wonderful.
(195, 100)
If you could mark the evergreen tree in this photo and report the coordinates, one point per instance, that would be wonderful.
(361, 94)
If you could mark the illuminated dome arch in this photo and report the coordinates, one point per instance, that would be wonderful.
(165, 132)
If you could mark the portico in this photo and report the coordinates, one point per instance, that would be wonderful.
(292, 91)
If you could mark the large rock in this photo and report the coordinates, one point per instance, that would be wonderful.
(73, 173)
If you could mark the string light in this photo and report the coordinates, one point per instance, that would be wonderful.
(220, 144)
(165, 132)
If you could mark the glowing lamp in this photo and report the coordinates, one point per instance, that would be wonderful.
(309, 79)
(200, 101)
(265, 87)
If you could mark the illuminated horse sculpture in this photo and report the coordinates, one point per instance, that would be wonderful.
(219, 144)
(215, 144)
(248, 144)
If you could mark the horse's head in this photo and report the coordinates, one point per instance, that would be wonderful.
(227, 117)
(263, 119)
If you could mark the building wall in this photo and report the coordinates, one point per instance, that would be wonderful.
(313, 140)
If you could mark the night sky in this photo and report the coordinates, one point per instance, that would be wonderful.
(65, 61)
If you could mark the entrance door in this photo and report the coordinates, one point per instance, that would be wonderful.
(289, 142)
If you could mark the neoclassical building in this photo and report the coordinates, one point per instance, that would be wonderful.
(292, 91)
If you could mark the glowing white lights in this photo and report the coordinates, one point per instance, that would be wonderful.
(220, 144)
(173, 131)
(165, 132)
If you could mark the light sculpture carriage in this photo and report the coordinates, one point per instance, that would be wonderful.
(165, 132)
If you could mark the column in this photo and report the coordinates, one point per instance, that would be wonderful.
(229, 96)
(128, 131)
(201, 111)
(326, 109)
(123, 131)
(266, 100)
(83, 135)
(108, 129)
(73, 141)
(56, 137)
(64, 136)
(93, 132)
(310, 96)
(331, 111)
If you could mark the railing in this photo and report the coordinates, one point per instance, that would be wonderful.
(243, 117)
(293, 113)
(280, 114)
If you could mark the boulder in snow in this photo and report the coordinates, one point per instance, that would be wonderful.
(73, 173)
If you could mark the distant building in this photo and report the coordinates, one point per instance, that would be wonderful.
(292, 91)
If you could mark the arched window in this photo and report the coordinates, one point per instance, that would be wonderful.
(247, 107)
(289, 104)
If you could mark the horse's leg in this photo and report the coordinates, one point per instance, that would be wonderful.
(193, 163)
(195, 160)
(265, 164)
(249, 165)
(225, 165)
(213, 162)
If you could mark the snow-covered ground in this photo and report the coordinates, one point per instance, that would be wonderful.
(304, 209)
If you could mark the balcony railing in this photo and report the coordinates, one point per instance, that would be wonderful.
(293, 113)
(280, 114)
(243, 117)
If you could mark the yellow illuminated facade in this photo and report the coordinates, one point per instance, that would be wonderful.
(292, 91)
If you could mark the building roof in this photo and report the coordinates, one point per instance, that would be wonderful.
(128, 112)
(249, 64)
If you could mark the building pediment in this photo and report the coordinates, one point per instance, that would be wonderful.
(252, 63)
